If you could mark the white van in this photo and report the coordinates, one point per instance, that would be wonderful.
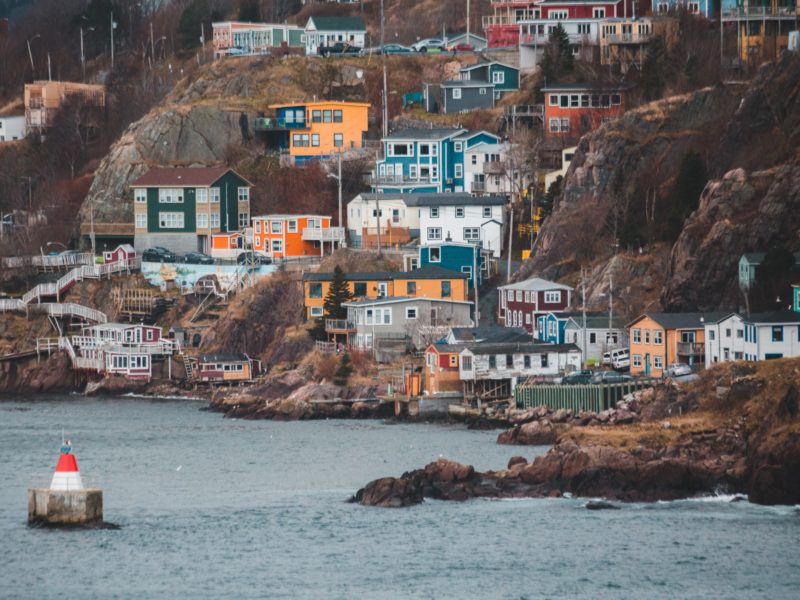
(620, 359)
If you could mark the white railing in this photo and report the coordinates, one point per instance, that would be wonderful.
(70, 309)
(65, 344)
(627, 38)
(328, 234)
(49, 261)
(759, 12)
(78, 274)
(12, 304)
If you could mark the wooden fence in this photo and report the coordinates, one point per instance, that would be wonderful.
(591, 397)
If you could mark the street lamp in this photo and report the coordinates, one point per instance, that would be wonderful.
(83, 56)
(30, 54)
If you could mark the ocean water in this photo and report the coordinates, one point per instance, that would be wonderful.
(218, 508)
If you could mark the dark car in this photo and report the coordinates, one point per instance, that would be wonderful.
(338, 48)
(197, 258)
(610, 377)
(159, 254)
(577, 378)
(251, 258)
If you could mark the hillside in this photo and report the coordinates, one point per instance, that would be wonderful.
(621, 186)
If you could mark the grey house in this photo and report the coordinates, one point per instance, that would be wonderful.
(395, 325)
(464, 96)
(478, 86)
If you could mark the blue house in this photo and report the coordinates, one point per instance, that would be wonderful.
(457, 256)
(796, 297)
(425, 160)
(551, 327)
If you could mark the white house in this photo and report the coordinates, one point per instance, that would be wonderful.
(12, 128)
(599, 337)
(460, 217)
(367, 213)
(724, 338)
(488, 170)
(762, 336)
(327, 31)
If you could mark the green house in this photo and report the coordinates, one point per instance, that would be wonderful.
(182, 208)
(796, 297)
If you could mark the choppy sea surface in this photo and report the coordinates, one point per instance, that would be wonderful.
(218, 508)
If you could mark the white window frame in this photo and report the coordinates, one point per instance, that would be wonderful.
(243, 194)
(411, 312)
(434, 212)
(316, 311)
(658, 362)
(140, 195)
(459, 171)
(141, 220)
(487, 212)
(276, 226)
(470, 234)
(438, 255)
(434, 233)
(460, 211)
(201, 195)
(276, 246)
(636, 336)
(458, 147)
(291, 226)
(171, 220)
(215, 195)
(202, 220)
(552, 297)
(170, 196)
(244, 220)
(215, 220)
(498, 77)
(457, 93)
(637, 360)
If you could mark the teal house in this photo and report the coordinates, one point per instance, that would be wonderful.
(182, 208)
(457, 256)
(551, 328)
(796, 297)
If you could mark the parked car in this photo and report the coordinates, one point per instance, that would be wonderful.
(423, 45)
(252, 258)
(621, 359)
(462, 48)
(678, 370)
(159, 254)
(610, 377)
(577, 378)
(395, 49)
(197, 258)
(338, 48)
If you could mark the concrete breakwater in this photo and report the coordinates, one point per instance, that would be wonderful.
(65, 507)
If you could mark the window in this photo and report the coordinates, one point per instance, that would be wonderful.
(315, 290)
(472, 234)
(658, 362)
(316, 116)
(338, 140)
(446, 289)
(509, 361)
(327, 116)
(646, 336)
(544, 361)
(565, 125)
(170, 196)
(511, 295)
(498, 77)
(214, 195)
(740, 333)
(435, 254)
(777, 333)
(637, 336)
(557, 14)
(434, 233)
(584, 28)
(399, 149)
(214, 220)
(612, 338)
(456, 93)
(592, 338)
(657, 337)
(257, 226)
(411, 288)
(277, 245)
(458, 147)
(519, 296)
(574, 100)
(599, 13)
(141, 221)
(411, 313)
(459, 171)
(291, 226)
(424, 149)
(434, 211)
(244, 194)
(140, 195)
(616, 99)
(360, 289)
(315, 139)
(482, 91)
(487, 212)
(459, 212)
(526, 359)
(492, 361)
(202, 220)
(554, 125)
(316, 311)
(466, 363)
(275, 227)
(553, 99)
(637, 360)
(337, 116)
(168, 220)
(552, 297)
(711, 335)
(300, 140)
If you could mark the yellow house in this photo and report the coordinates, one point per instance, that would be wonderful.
(763, 27)
(317, 129)
(658, 340)
(427, 282)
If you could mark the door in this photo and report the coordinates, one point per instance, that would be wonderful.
(383, 289)
(647, 364)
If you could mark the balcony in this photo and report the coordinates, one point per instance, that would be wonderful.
(339, 326)
(494, 167)
(628, 38)
(691, 349)
(541, 39)
(275, 124)
(743, 13)
(400, 180)
(328, 234)
(478, 186)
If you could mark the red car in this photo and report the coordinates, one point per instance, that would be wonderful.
(462, 48)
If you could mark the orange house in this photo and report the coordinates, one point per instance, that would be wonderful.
(441, 369)
(227, 244)
(574, 109)
(658, 340)
(295, 236)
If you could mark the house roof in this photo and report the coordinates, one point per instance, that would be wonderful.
(467, 83)
(535, 284)
(338, 23)
(591, 86)
(516, 348)
(775, 317)
(490, 334)
(754, 258)
(449, 348)
(596, 320)
(223, 357)
(402, 300)
(438, 199)
(320, 103)
(488, 64)
(469, 134)
(426, 272)
(182, 177)
(420, 133)
(284, 217)
(693, 320)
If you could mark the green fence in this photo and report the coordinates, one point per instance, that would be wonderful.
(591, 398)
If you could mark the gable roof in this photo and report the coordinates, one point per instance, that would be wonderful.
(422, 133)
(596, 320)
(487, 64)
(466, 83)
(535, 284)
(337, 23)
(426, 272)
(182, 177)
(490, 334)
(402, 300)
(688, 320)
(516, 348)
(774, 317)
(436, 198)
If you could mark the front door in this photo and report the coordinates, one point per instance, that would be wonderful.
(647, 364)
(383, 289)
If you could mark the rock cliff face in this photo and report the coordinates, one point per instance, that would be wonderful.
(748, 138)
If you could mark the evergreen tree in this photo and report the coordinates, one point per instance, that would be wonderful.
(685, 195)
(197, 13)
(653, 70)
(557, 55)
(338, 293)
(344, 371)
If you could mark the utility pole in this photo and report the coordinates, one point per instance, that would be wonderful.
(30, 193)
(112, 40)
(583, 310)
(30, 55)
(610, 302)
(475, 250)
(49, 70)
(152, 44)
(467, 22)
(382, 32)
(510, 240)
(378, 221)
(340, 189)
(385, 104)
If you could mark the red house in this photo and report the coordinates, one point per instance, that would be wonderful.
(574, 109)
(520, 303)
(124, 253)
(502, 28)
